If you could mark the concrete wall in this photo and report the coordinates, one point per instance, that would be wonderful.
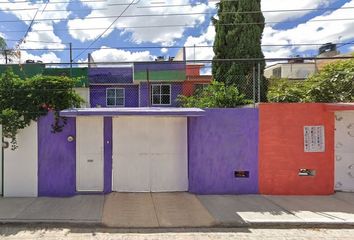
(98, 95)
(56, 159)
(220, 143)
(21, 165)
(84, 93)
(281, 150)
(292, 70)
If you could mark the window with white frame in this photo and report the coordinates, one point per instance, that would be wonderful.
(161, 94)
(115, 97)
(200, 86)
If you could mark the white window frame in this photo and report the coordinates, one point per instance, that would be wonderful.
(203, 85)
(115, 97)
(152, 94)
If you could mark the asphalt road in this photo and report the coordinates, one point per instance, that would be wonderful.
(19, 233)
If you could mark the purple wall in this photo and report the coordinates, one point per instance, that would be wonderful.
(111, 75)
(220, 143)
(56, 159)
(176, 89)
(98, 95)
(107, 154)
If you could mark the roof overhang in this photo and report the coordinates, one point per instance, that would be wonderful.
(153, 111)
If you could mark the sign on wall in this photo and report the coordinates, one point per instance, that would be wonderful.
(314, 139)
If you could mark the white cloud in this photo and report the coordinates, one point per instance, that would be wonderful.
(164, 35)
(310, 32)
(45, 39)
(46, 57)
(290, 4)
(117, 55)
(50, 13)
(206, 39)
(164, 50)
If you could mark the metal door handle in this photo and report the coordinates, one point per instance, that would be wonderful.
(90, 160)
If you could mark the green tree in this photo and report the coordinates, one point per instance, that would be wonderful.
(216, 95)
(25, 100)
(236, 38)
(335, 83)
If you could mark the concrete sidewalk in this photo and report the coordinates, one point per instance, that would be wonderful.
(173, 210)
(259, 210)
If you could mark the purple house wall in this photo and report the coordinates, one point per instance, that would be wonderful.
(176, 89)
(220, 143)
(98, 95)
(111, 75)
(56, 159)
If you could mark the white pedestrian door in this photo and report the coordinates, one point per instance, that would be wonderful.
(344, 151)
(150, 154)
(89, 154)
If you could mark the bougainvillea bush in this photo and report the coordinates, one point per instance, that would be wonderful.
(25, 100)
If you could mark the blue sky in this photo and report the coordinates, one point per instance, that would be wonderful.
(293, 27)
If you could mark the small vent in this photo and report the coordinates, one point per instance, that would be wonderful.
(242, 174)
(307, 172)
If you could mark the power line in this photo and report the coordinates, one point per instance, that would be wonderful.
(176, 5)
(202, 61)
(169, 47)
(32, 3)
(121, 14)
(171, 25)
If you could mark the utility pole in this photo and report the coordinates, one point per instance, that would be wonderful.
(71, 59)
(5, 53)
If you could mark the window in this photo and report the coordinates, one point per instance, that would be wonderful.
(200, 86)
(161, 94)
(115, 97)
(277, 72)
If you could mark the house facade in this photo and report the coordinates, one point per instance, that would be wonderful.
(143, 84)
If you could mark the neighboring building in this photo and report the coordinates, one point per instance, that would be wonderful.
(293, 70)
(326, 51)
(32, 69)
(139, 85)
(194, 80)
(81, 74)
(298, 69)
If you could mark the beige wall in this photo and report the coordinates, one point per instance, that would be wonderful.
(292, 70)
(85, 94)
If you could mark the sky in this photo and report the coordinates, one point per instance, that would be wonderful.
(142, 38)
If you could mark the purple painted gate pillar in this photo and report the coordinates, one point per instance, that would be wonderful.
(223, 152)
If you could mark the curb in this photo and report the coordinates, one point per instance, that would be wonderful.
(216, 226)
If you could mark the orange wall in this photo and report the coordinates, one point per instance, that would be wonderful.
(281, 150)
(193, 70)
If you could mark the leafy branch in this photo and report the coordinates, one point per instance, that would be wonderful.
(25, 100)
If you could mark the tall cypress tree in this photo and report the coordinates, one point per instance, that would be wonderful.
(239, 28)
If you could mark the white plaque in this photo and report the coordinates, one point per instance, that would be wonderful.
(314, 139)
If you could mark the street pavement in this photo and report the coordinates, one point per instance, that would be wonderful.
(181, 210)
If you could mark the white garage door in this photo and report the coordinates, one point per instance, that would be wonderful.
(150, 154)
(344, 151)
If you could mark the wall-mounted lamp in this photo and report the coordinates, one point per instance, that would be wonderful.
(70, 138)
